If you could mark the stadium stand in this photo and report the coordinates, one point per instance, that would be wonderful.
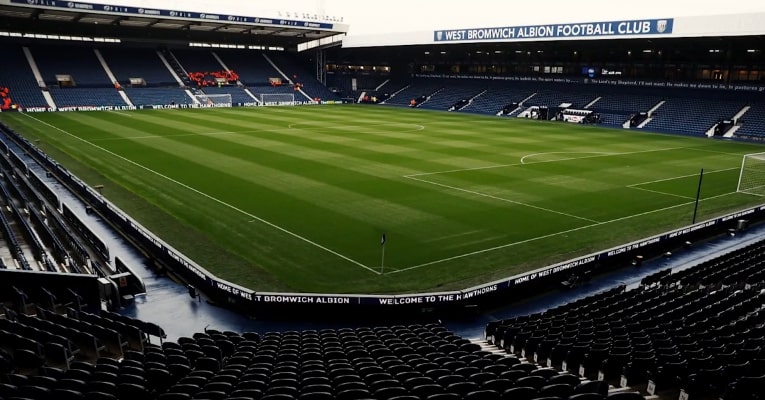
(563, 94)
(296, 72)
(694, 115)
(342, 84)
(615, 106)
(72, 97)
(84, 81)
(151, 96)
(619, 102)
(128, 63)
(452, 94)
(752, 124)
(697, 329)
(107, 356)
(197, 60)
(497, 96)
(78, 62)
(252, 67)
(18, 78)
(415, 89)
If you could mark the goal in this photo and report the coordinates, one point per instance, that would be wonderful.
(751, 179)
(217, 100)
(277, 99)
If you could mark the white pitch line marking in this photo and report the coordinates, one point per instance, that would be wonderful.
(252, 216)
(176, 135)
(542, 162)
(121, 113)
(302, 126)
(715, 151)
(472, 253)
(601, 153)
(501, 199)
(658, 192)
(681, 177)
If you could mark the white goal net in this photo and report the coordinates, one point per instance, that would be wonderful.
(751, 179)
(277, 99)
(214, 100)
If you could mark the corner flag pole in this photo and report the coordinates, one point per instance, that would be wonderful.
(698, 194)
(382, 260)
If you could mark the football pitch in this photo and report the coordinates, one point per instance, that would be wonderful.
(298, 198)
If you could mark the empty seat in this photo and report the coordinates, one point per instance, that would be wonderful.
(599, 387)
(557, 390)
(66, 394)
(520, 393)
(498, 385)
(566, 378)
(131, 391)
(99, 396)
(210, 395)
(174, 396)
(625, 396)
(535, 382)
(443, 396)
(586, 396)
(103, 387)
(354, 394)
(34, 392)
(316, 396)
(8, 390)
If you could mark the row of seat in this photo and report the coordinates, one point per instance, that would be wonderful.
(700, 330)
(693, 115)
(390, 363)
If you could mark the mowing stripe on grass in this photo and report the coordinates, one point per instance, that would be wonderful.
(306, 125)
(546, 161)
(658, 192)
(679, 177)
(336, 177)
(523, 159)
(472, 253)
(171, 136)
(500, 199)
(252, 216)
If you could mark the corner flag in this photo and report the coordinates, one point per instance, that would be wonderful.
(382, 240)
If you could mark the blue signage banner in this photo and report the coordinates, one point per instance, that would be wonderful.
(157, 12)
(640, 27)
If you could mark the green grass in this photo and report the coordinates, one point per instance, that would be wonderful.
(296, 198)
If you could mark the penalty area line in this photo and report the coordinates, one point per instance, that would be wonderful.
(637, 186)
(681, 177)
(221, 202)
(659, 192)
(459, 189)
(522, 162)
(490, 249)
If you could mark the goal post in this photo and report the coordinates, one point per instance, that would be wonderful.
(751, 178)
(214, 99)
(277, 99)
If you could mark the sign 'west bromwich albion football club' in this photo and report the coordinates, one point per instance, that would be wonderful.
(560, 31)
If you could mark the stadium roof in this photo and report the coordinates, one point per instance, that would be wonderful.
(56, 17)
